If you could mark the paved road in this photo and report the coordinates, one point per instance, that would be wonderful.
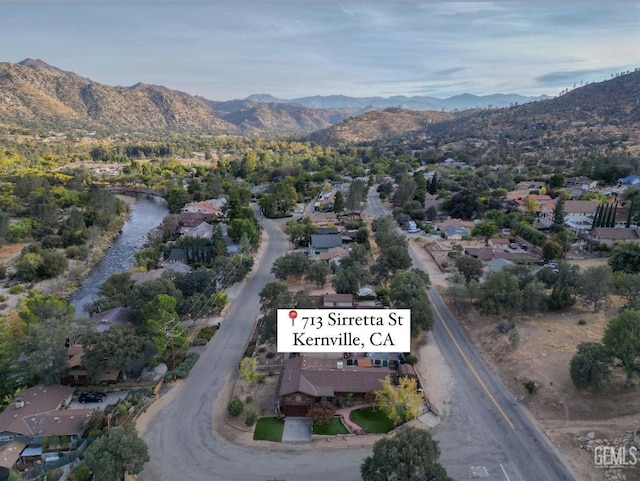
(484, 435)
(182, 444)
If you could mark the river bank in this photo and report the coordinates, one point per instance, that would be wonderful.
(73, 280)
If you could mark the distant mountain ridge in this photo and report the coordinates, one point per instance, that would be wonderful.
(38, 95)
(457, 102)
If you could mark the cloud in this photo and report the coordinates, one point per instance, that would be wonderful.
(566, 77)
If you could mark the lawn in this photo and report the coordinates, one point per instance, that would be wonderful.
(269, 429)
(334, 426)
(372, 421)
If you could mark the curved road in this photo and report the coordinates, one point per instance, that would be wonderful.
(477, 439)
(180, 436)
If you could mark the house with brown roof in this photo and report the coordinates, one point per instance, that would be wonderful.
(78, 375)
(335, 255)
(9, 456)
(611, 235)
(38, 412)
(305, 381)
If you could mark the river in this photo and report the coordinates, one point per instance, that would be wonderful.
(145, 213)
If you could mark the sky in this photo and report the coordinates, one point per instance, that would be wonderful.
(229, 50)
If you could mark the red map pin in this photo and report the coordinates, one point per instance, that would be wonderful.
(292, 316)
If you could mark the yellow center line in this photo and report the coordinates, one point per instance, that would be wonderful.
(504, 415)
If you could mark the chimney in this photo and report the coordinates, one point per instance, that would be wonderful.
(19, 403)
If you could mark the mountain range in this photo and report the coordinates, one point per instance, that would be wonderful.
(457, 102)
(38, 95)
(597, 116)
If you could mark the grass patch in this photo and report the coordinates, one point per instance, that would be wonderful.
(371, 421)
(334, 426)
(269, 429)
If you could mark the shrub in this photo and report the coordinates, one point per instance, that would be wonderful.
(270, 355)
(582, 322)
(16, 290)
(3, 272)
(411, 359)
(206, 333)
(235, 407)
(250, 416)
(514, 337)
(186, 365)
(504, 326)
(248, 400)
(530, 386)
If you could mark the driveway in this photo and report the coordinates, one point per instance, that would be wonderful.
(297, 430)
(112, 398)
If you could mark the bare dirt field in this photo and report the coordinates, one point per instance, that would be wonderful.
(548, 342)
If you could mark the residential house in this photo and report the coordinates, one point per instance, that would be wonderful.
(9, 456)
(529, 185)
(498, 243)
(611, 235)
(203, 230)
(305, 381)
(192, 219)
(630, 180)
(212, 207)
(579, 214)
(78, 376)
(327, 301)
(454, 229)
(322, 243)
(333, 255)
(530, 203)
(580, 184)
(38, 412)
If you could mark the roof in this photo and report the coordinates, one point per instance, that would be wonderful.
(74, 361)
(192, 219)
(58, 423)
(454, 222)
(333, 253)
(37, 400)
(326, 241)
(326, 230)
(142, 277)
(580, 206)
(630, 180)
(614, 233)
(322, 378)
(10, 453)
(178, 267)
(499, 241)
(452, 230)
(202, 230)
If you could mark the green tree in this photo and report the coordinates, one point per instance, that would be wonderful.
(296, 264)
(558, 214)
(118, 347)
(625, 257)
(240, 227)
(117, 453)
(500, 294)
(317, 273)
(590, 366)
(627, 286)
(404, 192)
(470, 267)
(356, 196)
(410, 455)
(338, 202)
(299, 232)
(267, 204)
(409, 290)
(177, 197)
(551, 250)
(484, 228)
(622, 341)
(596, 283)
(350, 278)
(565, 285)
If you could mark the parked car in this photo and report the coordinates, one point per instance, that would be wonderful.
(92, 397)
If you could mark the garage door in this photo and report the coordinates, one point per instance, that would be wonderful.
(296, 411)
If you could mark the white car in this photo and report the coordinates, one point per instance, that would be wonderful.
(365, 291)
